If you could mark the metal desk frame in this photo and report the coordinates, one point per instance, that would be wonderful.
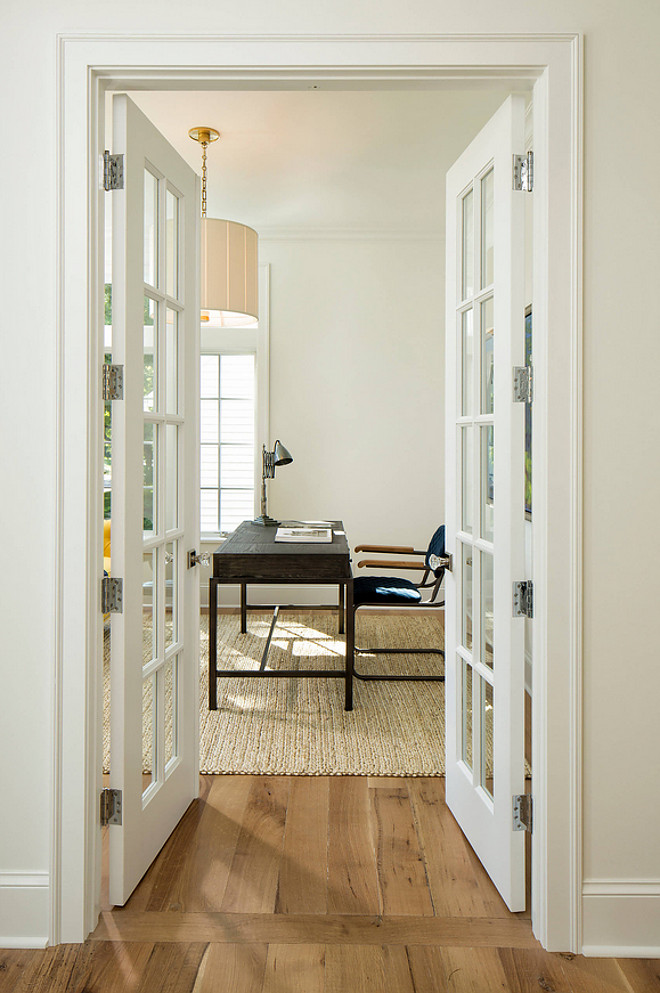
(252, 557)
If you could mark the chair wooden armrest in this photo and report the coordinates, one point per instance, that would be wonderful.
(392, 549)
(386, 564)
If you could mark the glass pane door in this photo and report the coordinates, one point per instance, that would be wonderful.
(485, 486)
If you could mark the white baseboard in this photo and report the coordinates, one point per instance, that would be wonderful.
(24, 909)
(621, 918)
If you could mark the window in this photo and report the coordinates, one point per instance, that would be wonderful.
(227, 440)
(233, 417)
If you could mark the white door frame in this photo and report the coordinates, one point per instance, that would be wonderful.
(87, 65)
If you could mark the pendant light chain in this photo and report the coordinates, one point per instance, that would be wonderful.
(204, 147)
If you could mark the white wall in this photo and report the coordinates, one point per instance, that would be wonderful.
(356, 387)
(621, 359)
(356, 362)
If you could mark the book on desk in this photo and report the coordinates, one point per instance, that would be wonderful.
(304, 534)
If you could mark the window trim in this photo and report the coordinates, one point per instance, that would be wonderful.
(247, 341)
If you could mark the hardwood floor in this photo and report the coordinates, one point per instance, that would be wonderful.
(316, 885)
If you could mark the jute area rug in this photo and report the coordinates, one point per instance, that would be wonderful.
(298, 727)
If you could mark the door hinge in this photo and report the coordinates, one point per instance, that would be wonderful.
(113, 171)
(112, 591)
(523, 599)
(523, 384)
(523, 172)
(110, 807)
(195, 558)
(523, 812)
(113, 381)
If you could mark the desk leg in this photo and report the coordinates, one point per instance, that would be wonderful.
(243, 608)
(213, 643)
(350, 645)
(340, 609)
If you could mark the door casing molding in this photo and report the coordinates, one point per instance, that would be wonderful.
(88, 65)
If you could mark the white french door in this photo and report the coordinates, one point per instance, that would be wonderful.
(155, 640)
(485, 497)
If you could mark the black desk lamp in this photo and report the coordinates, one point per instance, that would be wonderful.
(279, 456)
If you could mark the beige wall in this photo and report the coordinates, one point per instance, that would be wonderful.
(621, 358)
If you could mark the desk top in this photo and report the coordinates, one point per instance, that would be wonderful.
(251, 554)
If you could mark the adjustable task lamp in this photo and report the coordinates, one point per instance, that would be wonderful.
(279, 456)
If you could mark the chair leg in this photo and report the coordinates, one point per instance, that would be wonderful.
(397, 651)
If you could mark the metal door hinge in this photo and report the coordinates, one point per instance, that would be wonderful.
(523, 384)
(110, 807)
(195, 558)
(523, 172)
(112, 591)
(113, 171)
(523, 599)
(523, 812)
(113, 382)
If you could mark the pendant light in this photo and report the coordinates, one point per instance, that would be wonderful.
(229, 276)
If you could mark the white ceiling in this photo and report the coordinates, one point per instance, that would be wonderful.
(327, 160)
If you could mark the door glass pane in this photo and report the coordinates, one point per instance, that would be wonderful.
(467, 281)
(150, 228)
(487, 769)
(487, 356)
(466, 597)
(466, 479)
(466, 710)
(487, 656)
(171, 362)
(487, 482)
(467, 361)
(171, 590)
(172, 243)
(171, 476)
(170, 677)
(148, 725)
(487, 228)
(149, 338)
(150, 455)
(149, 601)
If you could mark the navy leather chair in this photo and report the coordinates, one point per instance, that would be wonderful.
(399, 592)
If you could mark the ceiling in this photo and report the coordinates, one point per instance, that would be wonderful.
(353, 161)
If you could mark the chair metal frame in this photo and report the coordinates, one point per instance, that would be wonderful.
(430, 604)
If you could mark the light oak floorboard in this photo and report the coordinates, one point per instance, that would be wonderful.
(352, 875)
(316, 929)
(401, 870)
(295, 969)
(354, 968)
(230, 969)
(255, 868)
(302, 887)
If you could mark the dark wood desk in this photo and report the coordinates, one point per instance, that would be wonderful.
(252, 556)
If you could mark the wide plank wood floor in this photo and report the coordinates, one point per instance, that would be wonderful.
(316, 885)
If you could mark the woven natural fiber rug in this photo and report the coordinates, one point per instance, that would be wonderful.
(298, 727)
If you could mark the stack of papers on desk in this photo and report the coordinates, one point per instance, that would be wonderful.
(319, 535)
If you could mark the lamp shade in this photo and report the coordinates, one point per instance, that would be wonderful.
(229, 278)
(281, 455)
